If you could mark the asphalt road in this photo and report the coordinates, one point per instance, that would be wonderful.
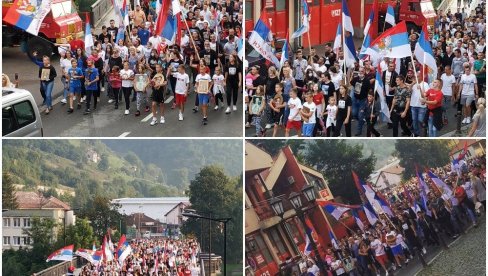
(108, 122)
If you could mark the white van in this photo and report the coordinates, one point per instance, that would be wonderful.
(20, 115)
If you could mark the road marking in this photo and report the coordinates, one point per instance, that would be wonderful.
(147, 118)
(124, 134)
(168, 100)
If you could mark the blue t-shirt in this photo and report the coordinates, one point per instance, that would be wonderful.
(75, 83)
(90, 75)
(144, 36)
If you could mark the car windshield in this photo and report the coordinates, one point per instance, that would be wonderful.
(62, 9)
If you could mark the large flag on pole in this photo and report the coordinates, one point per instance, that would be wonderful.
(125, 13)
(309, 230)
(63, 254)
(86, 254)
(240, 48)
(384, 205)
(177, 7)
(349, 51)
(88, 37)
(390, 16)
(28, 15)
(123, 249)
(107, 252)
(333, 240)
(166, 24)
(358, 220)
(440, 184)
(424, 189)
(380, 89)
(285, 52)
(364, 188)
(305, 22)
(368, 30)
(335, 209)
(393, 43)
(346, 18)
(259, 36)
(423, 52)
(338, 38)
(370, 213)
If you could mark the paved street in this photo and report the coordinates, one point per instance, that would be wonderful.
(107, 122)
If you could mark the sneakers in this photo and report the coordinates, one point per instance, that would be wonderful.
(205, 120)
(173, 105)
(154, 121)
(468, 120)
(424, 251)
(180, 117)
(162, 120)
(393, 267)
(138, 113)
(70, 110)
(83, 99)
(268, 126)
(227, 111)
(464, 120)
(407, 260)
(195, 109)
(74, 98)
(63, 101)
(110, 101)
(87, 112)
(234, 108)
(147, 109)
(126, 112)
(102, 89)
(248, 125)
(216, 107)
(47, 111)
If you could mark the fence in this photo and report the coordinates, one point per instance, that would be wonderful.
(61, 268)
(98, 11)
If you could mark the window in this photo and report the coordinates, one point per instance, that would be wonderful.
(17, 116)
(16, 240)
(6, 240)
(296, 234)
(258, 251)
(16, 222)
(6, 222)
(61, 9)
(26, 240)
(27, 222)
(248, 7)
(280, 5)
(277, 241)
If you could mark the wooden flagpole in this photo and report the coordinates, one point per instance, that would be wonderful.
(191, 38)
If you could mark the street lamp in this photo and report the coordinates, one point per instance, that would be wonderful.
(295, 199)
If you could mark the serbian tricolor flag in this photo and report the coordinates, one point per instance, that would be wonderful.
(346, 18)
(97, 256)
(370, 214)
(335, 209)
(86, 254)
(285, 52)
(107, 252)
(393, 43)
(390, 16)
(305, 22)
(368, 29)
(63, 254)
(88, 37)
(424, 189)
(379, 87)
(441, 185)
(28, 15)
(423, 52)
(309, 230)
(358, 220)
(363, 188)
(384, 205)
(338, 38)
(166, 26)
(333, 240)
(123, 249)
(259, 37)
(463, 154)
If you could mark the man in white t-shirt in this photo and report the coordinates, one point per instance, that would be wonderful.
(469, 92)
(181, 89)
(448, 82)
(308, 115)
(155, 41)
(418, 108)
(379, 252)
(294, 118)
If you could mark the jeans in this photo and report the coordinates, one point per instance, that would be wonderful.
(360, 105)
(396, 119)
(432, 129)
(286, 97)
(127, 91)
(418, 116)
(65, 87)
(354, 108)
(257, 122)
(89, 94)
(48, 89)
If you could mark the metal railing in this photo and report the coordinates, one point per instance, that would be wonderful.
(446, 5)
(98, 11)
(59, 269)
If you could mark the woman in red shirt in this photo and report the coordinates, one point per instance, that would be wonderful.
(433, 99)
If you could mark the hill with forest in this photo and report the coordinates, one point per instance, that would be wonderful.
(382, 149)
(114, 168)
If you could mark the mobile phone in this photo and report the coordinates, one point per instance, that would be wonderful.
(16, 76)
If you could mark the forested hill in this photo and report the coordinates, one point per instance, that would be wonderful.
(150, 168)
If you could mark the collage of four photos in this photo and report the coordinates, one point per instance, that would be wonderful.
(243, 137)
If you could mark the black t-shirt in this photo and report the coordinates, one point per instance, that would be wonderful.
(174, 63)
(270, 86)
(327, 88)
(210, 58)
(233, 71)
(102, 36)
(342, 105)
(113, 32)
(115, 61)
(260, 80)
(361, 87)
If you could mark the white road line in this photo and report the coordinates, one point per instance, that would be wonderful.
(168, 100)
(147, 118)
(124, 134)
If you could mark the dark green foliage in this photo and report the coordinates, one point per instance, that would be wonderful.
(8, 192)
(212, 191)
(422, 153)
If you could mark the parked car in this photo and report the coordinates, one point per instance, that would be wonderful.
(20, 115)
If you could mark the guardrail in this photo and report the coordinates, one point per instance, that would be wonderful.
(98, 11)
(445, 5)
(59, 269)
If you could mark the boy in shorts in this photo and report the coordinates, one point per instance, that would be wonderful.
(277, 107)
(308, 114)
(181, 89)
(294, 119)
(203, 92)
(158, 82)
(75, 75)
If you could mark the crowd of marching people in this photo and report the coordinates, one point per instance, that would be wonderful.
(151, 258)
(313, 96)
(413, 228)
(138, 68)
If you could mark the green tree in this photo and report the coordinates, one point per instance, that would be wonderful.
(41, 234)
(104, 164)
(102, 214)
(80, 235)
(336, 160)
(8, 192)
(213, 192)
(421, 153)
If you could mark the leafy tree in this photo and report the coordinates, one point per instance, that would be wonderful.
(80, 234)
(8, 192)
(421, 153)
(102, 214)
(41, 234)
(213, 192)
(104, 164)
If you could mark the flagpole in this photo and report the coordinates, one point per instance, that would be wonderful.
(344, 50)
(191, 38)
(413, 67)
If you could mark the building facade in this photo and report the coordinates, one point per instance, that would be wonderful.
(32, 205)
(270, 239)
(155, 207)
